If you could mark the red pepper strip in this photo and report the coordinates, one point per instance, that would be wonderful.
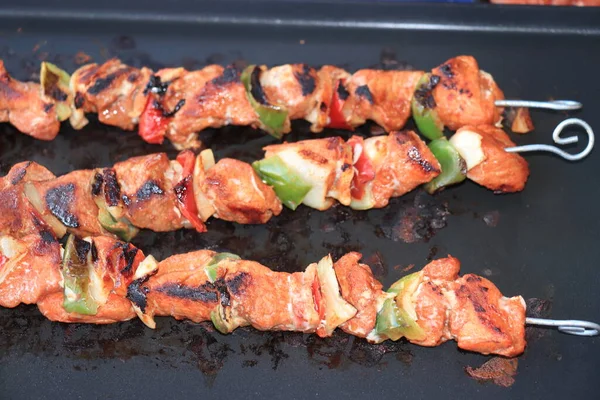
(337, 120)
(364, 171)
(153, 124)
(121, 260)
(319, 304)
(185, 191)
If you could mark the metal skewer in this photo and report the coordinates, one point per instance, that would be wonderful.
(569, 326)
(560, 140)
(560, 105)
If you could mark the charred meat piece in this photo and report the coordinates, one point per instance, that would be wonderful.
(488, 164)
(400, 161)
(208, 98)
(380, 96)
(465, 95)
(113, 90)
(18, 217)
(147, 191)
(26, 108)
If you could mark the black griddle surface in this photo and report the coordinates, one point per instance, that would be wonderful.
(541, 243)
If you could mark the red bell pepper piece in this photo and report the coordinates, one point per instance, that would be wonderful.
(153, 124)
(363, 168)
(185, 191)
(337, 120)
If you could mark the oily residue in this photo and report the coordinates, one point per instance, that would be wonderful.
(418, 222)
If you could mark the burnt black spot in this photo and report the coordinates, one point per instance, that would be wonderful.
(495, 328)
(364, 92)
(102, 84)
(415, 155)
(205, 293)
(57, 94)
(112, 190)
(345, 166)
(221, 288)
(48, 107)
(137, 294)
(97, 184)
(342, 92)
(47, 236)
(257, 91)
(177, 107)
(235, 285)
(147, 190)
(230, 74)
(306, 80)
(473, 278)
(483, 288)
(19, 175)
(82, 248)
(424, 93)
(132, 77)
(478, 307)
(446, 69)
(181, 189)
(79, 99)
(323, 107)
(126, 200)
(129, 253)
(156, 85)
(94, 251)
(58, 200)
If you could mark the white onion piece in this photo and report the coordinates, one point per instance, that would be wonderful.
(468, 145)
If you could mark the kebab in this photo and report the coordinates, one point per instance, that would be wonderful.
(153, 192)
(177, 104)
(101, 280)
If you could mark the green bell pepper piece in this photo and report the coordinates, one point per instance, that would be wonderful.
(393, 321)
(289, 187)
(55, 84)
(222, 320)
(120, 227)
(423, 108)
(454, 167)
(212, 267)
(272, 118)
(75, 268)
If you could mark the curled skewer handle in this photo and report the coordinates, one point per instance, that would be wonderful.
(560, 140)
(560, 105)
(569, 326)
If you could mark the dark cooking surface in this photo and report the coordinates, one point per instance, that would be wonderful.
(540, 243)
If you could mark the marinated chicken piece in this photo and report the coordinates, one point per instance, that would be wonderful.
(360, 288)
(380, 96)
(18, 217)
(116, 309)
(68, 199)
(114, 267)
(401, 162)
(179, 289)
(484, 321)
(208, 98)
(265, 299)
(147, 184)
(237, 194)
(431, 304)
(488, 164)
(26, 108)
(29, 268)
(113, 90)
(465, 95)
(324, 164)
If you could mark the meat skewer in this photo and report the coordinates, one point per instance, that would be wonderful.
(101, 280)
(176, 103)
(153, 192)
